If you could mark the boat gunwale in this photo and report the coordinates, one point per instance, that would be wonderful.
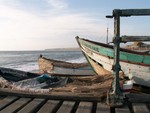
(111, 47)
(65, 64)
(141, 64)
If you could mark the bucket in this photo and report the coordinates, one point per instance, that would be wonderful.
(127, 87)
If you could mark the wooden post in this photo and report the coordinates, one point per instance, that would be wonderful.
(116, 65)
(115, 94)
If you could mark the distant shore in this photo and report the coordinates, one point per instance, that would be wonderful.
(63, 49)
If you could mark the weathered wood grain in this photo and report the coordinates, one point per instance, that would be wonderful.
(49, 106)
(85, 107)
(133, 12)
(102, 108)
(135, 38)
(14, 106)
(123, 109)
(52, 95)
(140, 108)
(32, 106)
(66, 107)
(7, 101)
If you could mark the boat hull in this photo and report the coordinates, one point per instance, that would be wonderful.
(100, 56)
(63, 68)
(17, 79)
(14, 75)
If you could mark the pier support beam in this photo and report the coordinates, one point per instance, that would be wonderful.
(115, 96)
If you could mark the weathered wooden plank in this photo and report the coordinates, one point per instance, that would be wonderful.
(52, 95)
(138, 98)
(14, 106)
(135, 38)
(7, 101)
(49, 106)
(132, 12)
(66, 107)
(85, 107)
(102, 108)
(140, 108)
(124, 109)
(32, 106)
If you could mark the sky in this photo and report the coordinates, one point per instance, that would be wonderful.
(45, 24)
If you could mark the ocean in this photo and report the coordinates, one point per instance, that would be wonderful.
(27, 60)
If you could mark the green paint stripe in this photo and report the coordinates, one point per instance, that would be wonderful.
(130, 57)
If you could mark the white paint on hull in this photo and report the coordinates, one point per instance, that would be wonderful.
(140, 74)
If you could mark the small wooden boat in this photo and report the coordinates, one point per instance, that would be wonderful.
(135, 65)
(21, 79)
(139, 46)
(16, 75)
(63, 68)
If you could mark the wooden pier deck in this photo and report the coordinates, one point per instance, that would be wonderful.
(13, 102)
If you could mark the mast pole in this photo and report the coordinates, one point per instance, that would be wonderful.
(107, 36)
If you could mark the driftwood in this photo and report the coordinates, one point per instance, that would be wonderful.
(52, 95)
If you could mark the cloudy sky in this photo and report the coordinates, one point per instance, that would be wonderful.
(42, 24)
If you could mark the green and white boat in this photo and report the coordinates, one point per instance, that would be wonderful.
(134, 64)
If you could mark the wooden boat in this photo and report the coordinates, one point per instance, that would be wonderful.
(21, 79)
(139, 46)
(135, 65)
(63, 68)
(14, 75)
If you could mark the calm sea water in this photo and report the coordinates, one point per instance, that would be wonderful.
(27, 60)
